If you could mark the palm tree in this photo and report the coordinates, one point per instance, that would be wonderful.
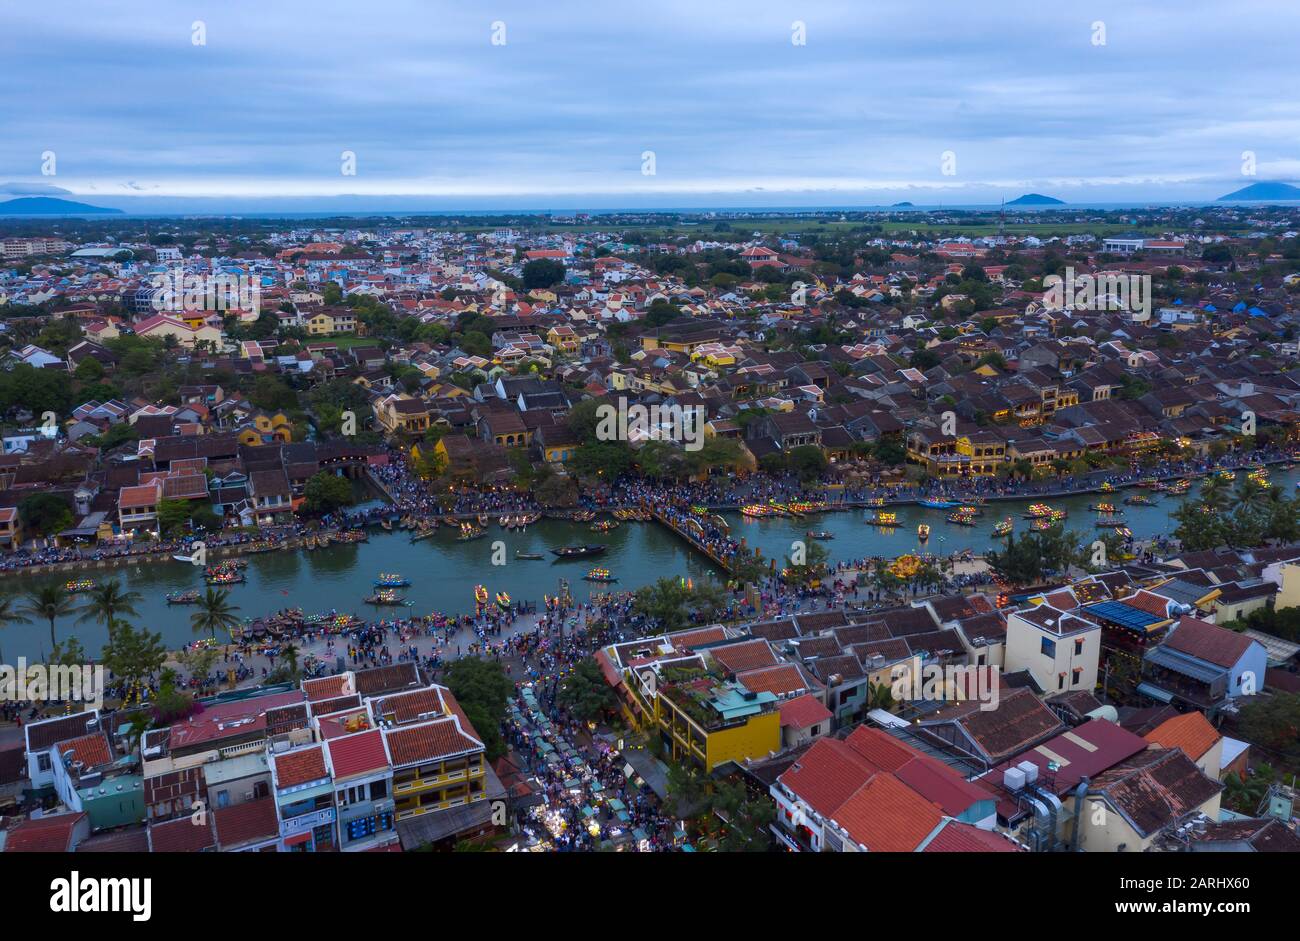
(9, 614)
(1214, 492)
(107, 602)
(215, 611)
(49, 602)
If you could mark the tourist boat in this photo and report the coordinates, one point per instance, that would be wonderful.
(392, 580)
(480, 594)
(1105, 508)
(190, 596)
(817, 534)
(182, 557)
(883, 519)
(469, 531)
(605, 526)
(483, 520)
(599, 575)
(1107, 487)
(1228, 475)
(933, 503)
(1138, 499)
(424, 534)
(387, 525)
(1043, 511)
(503, 601)
(962, 518)
(79, 585)
(1180, 487)
(923, 532)
(530, 556)
(1109, 523)
(577, 552)
(224, 573)
(1125, 532)
(388, 598)
(505, 522)
(808, 506)
(757, 511)
(1004, 528)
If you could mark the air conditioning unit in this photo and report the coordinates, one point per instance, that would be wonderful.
(1013, 779)
(1030, 771)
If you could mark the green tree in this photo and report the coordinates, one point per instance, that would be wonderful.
(44, 514)
(325, 492)
(48, 603)
(542, 273)
(215, 612)
(483, 691)
(132, 655)
(107, 602)
(585, 694)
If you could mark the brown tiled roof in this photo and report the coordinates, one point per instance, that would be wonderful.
(44, 834)
(246, 823)
(747, 655)
(429, 741)
(1208, 642)
(1156, 787)
(389, 679)
(181, 835)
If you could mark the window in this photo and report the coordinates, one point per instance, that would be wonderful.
(1049, 647)
(1060, 681)
(1078, 648)
(378, 790)
(1078, 675)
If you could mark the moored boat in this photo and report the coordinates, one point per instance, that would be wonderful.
(392, 580)
(190, 596)
(577, 552)
(1004, 528)
(923, 531)
(599, 575)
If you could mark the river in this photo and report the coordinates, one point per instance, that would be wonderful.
(444, 571)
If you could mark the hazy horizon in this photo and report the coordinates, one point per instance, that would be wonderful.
(400, 106)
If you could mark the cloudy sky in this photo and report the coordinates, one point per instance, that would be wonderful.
(559, 115)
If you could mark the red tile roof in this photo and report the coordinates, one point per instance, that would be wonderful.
(826, 775)
(804, 711)
(299, 766)
(91, 750)
(747, 655)
(44, 834)
(249, 822)
(1190, 731)
(430, 741)
(887, 816)
(355, 755)
(958, 837)
(181, 835)
(781, 680)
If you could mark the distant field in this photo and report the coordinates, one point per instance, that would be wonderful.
(743, 229)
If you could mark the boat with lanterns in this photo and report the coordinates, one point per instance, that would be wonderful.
(923, 531)
(1004, 528)
(600, 575)
(480, 594)
(503, 601)
(78, 585)
(883, 518)
(388, 598)
(392, 580)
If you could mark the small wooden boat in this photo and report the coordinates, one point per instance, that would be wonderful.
(469, 531)
(1109, 523)
(530, 556)
(483, 520)
(933, 503)
(961, 518)
(820, 534)
(600, 575)
(392, 580)
(1138, 499)
(605, 526)
(1004, 528)
(503, 601)
(388, 598)
(78, 585)
(480, 594)
(577, 552)
(423, 534)
(1106, 508)
(883, 519)
(923, 531)
(190, 596)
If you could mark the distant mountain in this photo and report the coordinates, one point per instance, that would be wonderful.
(902, 205)
(1264, 191)
(48, 205)
(1036, 199)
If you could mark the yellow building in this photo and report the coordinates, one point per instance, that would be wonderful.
(437, 757)
(402, 413)
(266, 428)
(702, 719)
